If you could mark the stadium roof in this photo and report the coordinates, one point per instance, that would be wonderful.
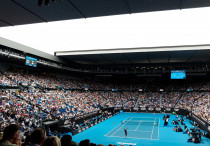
(18, 12)
(166, 54)
(26, 49)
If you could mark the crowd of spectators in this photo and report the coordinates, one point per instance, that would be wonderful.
(12, 136)
(56, 100)
(17, 110)
(47, 81)
(206, 87)
(5, 81)
(196, 102)
(149, 100)
(30, 108)
(129, 99)
(187, 100)
(170, 99)
(64, 103)
(201, 107)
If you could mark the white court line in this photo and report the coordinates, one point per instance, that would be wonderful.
(131, 118)
(143, 118)
(153, 128)
(137, 130)
(158, 128)
(115, 127)
(132, 137)
(138, 126)
(120, 128)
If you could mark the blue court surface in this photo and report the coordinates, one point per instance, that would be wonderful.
(143, 129)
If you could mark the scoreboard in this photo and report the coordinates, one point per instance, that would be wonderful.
(31, 61)
(178, 74)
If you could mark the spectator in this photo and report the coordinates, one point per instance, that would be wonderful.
(85, 142)
(66, 140)
(1, 135)
(37, 137)
(11, 136)
(52, 141)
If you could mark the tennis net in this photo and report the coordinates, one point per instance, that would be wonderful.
(149, 123)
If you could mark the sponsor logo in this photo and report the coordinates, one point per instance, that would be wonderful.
(158, 109)
(168, 109)
(126, 143)
(143, 108)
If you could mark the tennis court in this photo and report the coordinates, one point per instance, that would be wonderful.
(137, 128)
(141, 131)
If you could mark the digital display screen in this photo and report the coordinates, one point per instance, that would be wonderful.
(31, 61)
(178, 74)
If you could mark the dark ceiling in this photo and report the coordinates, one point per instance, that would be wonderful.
(18, 12)
(186, 56)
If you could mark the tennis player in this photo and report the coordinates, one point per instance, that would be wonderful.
(126, 133)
